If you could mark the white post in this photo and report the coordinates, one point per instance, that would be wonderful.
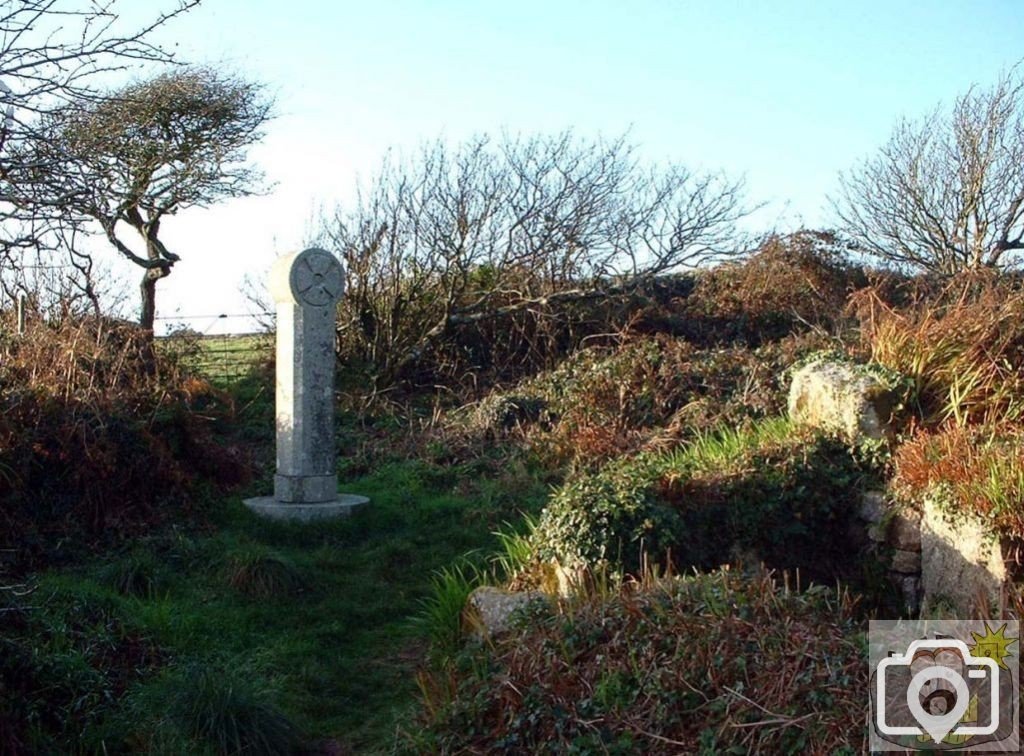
(20, 309)
(306, 287)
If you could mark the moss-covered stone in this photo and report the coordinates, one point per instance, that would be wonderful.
(839, 398)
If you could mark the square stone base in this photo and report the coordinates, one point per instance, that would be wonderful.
(305, 489)
(271, 508)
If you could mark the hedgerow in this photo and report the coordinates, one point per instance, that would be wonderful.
(98, 433)
(765, 492)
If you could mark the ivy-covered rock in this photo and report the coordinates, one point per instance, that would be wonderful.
(609, 517)
(501, 413)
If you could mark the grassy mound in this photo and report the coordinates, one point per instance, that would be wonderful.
(645, 393)
(765, 492)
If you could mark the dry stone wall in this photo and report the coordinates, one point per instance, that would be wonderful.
(936, 562)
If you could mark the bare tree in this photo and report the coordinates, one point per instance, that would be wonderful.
(53, 52)
(495, 227)
(946, 193)
(131, 159)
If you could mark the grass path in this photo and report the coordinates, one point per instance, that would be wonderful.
(312, 619)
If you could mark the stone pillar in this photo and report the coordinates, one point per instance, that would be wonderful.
(306, 287)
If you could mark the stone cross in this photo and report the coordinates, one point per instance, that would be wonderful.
(306, 287)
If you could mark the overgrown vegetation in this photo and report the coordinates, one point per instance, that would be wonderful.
(660, 444)
(101, 440)
(960, 343)
(500, 254)
(533, 395)
(766, 492)
(962, 347)
(791, 284)
(712, 663)
(976, 470)
(677, 458)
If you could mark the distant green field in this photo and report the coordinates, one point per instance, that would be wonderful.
(221, 358)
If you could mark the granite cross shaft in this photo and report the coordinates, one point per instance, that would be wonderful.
(306, 287)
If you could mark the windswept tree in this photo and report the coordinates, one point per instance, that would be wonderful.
(490, 229)
(53, 52)
(139, 155)
(946, 193)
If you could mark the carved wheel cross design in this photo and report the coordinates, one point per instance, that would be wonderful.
(317, 279)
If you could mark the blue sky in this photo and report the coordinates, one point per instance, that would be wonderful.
(782, 92)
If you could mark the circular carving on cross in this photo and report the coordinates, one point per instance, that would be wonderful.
(316, 278)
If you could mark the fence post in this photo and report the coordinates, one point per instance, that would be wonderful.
(20, 308)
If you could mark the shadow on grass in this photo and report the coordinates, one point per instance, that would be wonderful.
(314, 620)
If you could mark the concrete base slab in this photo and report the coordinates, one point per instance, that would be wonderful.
(271, 508)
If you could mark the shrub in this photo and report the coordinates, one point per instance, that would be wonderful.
(767, 494)
(653, 392)
(491, 259)
(611, 516)
(791, 284)
(717, 663)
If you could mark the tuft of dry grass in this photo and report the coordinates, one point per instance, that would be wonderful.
(963, 348)
(263, 573)
(972, 469)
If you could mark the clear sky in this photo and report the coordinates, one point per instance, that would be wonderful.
(784, 92)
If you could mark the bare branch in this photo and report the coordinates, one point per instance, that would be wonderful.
(945, 193)
(492, 228)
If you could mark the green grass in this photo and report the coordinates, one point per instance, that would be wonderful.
(441, 612)
(315, 621)
(722, 448)
(223, 359)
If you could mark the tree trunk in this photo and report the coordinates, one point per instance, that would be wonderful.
(148, 290)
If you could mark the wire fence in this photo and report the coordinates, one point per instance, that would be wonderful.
(222, 347)
(212, 349)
